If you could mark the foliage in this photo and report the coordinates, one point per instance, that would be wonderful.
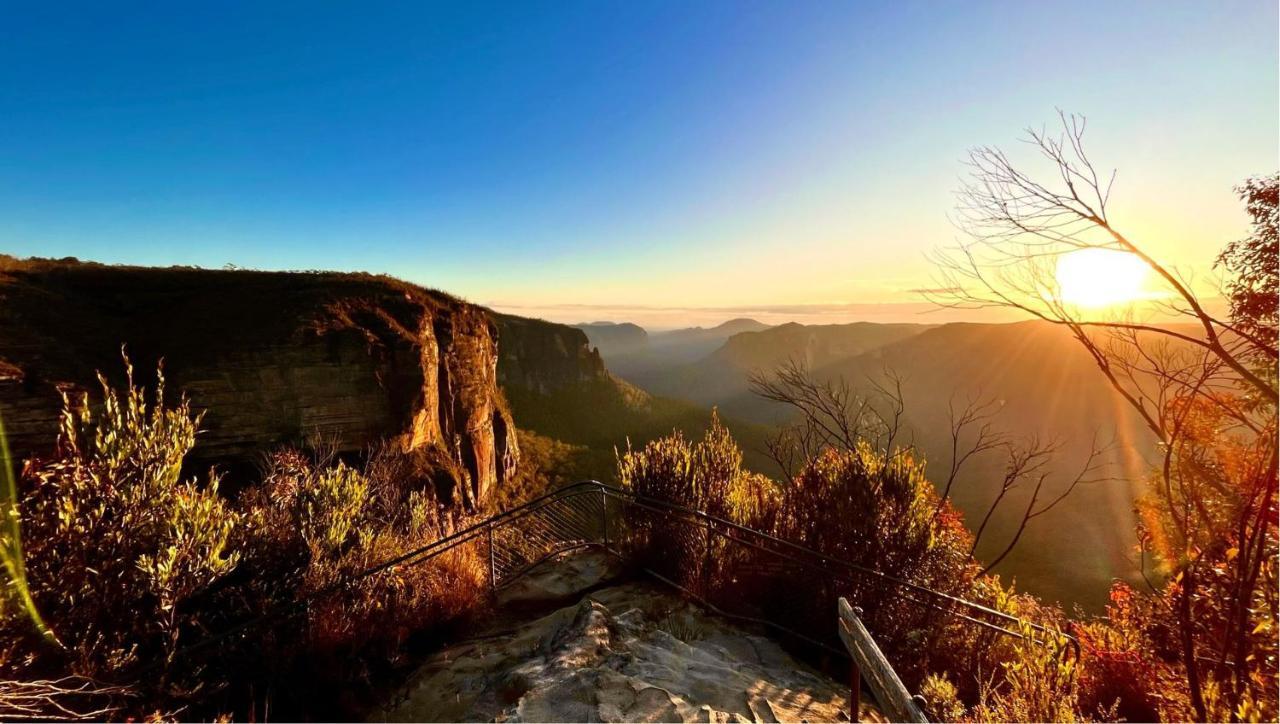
(330, 506)
(1254, 265)
(873, 509)
(115, 527)
(1209, 630)
(547, 464)
(1124, 669)
(1037, 683)
(942, 697)
(705, 475)
(319, 526)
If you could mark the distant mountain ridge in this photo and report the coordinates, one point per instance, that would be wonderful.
(559, 388)
(814, 345)
(1043, 383)
(634, 360)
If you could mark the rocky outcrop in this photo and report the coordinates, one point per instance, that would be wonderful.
(613, 339)
(543, 357)
(270, 358)
(629, 652)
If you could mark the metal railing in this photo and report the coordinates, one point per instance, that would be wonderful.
(591, 514)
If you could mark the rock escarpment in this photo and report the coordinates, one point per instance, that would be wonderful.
(271, 359)
(543, 357)
(613, 339)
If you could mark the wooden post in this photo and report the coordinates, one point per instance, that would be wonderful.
(892, 697)
(855, 684)
(855, 692)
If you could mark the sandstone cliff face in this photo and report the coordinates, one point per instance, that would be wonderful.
(272, 358)
(543, 356)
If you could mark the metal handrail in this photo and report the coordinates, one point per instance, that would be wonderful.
(738, 534)
(977, 608)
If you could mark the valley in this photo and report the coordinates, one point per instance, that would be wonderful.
(430, 367)
(1040, 383)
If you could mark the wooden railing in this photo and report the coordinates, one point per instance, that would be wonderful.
(891, 695)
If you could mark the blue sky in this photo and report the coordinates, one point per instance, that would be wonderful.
(619, 156)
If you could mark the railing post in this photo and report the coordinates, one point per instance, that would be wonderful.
(855, 692)
(855, 684)
(604, 519)
(868, 660)
(493, 568)
(706, 563)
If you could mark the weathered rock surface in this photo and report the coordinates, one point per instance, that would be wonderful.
(630, 652)
(544, 357)
(271, 358)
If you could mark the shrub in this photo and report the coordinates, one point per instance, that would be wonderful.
(1037, 683)
(330, 507)
(320, 525)
(132, 562)
(942, 698)
(113, 527)
(874, 509)
(706, 475)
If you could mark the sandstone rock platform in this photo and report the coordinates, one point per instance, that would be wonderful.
(621, 651)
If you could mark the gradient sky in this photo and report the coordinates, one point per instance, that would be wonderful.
(606, 159)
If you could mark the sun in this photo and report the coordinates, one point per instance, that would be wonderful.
(1100, 277)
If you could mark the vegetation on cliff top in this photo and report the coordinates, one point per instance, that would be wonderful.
(112, 525)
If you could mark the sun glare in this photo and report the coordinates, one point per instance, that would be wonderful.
(1100, 277)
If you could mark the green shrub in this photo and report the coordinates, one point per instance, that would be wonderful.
(132, 562)
(942, 699)
(114, 528)
(330, 507)
(1038, 682)
(318, 525)
(874, 509)
(706, 475)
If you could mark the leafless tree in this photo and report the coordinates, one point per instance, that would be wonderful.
(1216, 490)
(832, 415)
(972, 433)
(1017, 227)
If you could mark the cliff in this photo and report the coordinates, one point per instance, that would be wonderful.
(270, 357)
(613, 339)
(544, 357)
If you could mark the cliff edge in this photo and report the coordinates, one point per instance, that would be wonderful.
(271, 358)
